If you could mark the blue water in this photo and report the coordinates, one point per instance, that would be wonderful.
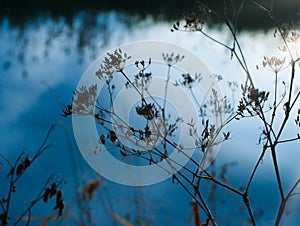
(41, 66)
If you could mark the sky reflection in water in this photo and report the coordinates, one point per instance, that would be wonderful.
(41, 67)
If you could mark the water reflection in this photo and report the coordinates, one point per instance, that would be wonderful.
(53, 54)
(83, 37)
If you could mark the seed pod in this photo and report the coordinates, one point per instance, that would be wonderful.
(46, 195)
(53, 190)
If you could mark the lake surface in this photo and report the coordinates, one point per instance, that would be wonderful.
(42, 63)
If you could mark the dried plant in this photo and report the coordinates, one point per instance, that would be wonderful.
(254, 102)
(50, 190)
(159, 124)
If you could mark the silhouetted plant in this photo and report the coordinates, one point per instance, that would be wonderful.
(159, 125)
(254, 102)
(50, 190)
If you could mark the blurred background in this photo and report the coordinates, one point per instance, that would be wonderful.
(45, 47)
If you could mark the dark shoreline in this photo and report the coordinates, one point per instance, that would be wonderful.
(19, 12)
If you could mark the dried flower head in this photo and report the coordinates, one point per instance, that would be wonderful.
(83, 101)
(274, 63)
(189, 80)
(172, 59)
(251, 101)
(294, 38)
(147, 110)
(112, 63)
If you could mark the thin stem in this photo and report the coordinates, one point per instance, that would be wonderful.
(206, 207)
(288, 140)
(164, 105)
(275, 163)
(43, 145)
(10, 189)
(275, 100)
(7, 160)
(283, 203)
(255, 168)
(247, 204)
(295, 100)
(213, 179)
(287, 105)
(37, 199)
(110, 97)
(130, 82)
(166, 92)
(243, 61)
(8, 200)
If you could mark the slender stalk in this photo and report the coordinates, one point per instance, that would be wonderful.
(275, 99)
(247, 204)
(166, 92)
(283, 203)
(279, 183)
(287, 105)
(255, 168)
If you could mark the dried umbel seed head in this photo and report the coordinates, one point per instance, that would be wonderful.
(172, 59)
(112, 63)
(274, 63)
